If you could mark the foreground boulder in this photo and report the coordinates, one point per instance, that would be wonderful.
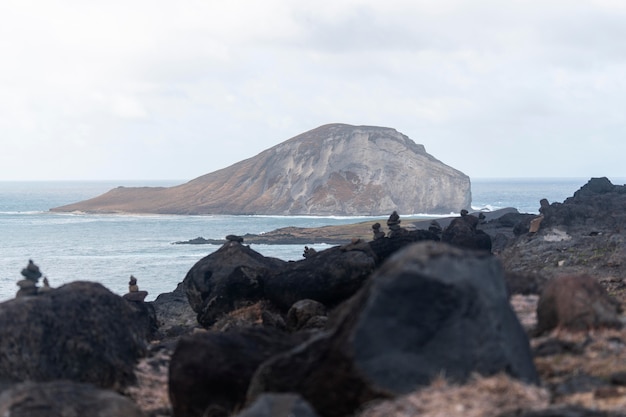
(431, 309)
(80, 331)
(64, 399)
(210, 372)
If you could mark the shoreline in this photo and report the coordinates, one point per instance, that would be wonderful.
(336, 234)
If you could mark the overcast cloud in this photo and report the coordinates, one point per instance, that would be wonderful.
(158, 89)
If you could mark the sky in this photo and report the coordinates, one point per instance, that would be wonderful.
(139, 89)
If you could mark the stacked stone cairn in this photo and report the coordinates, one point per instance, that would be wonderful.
(28, 285)
(133, 291)
(308, 252)
(393, 223)
(378, 234)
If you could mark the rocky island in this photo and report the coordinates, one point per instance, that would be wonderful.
(335, 169)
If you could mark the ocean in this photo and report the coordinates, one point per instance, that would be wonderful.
(110, 248)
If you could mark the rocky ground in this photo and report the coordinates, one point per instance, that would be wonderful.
(582, 372)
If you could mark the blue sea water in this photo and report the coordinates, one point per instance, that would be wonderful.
(109, 248)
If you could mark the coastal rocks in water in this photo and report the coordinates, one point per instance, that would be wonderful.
(225, 280)
(584, 235)
(64, 399)
(80, 331)
(598, 201)
(210, 372)
(463, 232)
(431, 309)
(576, 303)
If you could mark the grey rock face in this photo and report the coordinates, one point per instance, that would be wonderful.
(334, 169)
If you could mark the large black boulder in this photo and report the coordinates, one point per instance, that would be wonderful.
(329, 276)
(226, 279)
(64, 399)
(431, 309)
(210, 371)
(80, 331)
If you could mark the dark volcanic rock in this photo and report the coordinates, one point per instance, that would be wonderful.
(64, 399)
(329, 277)
(174, 315)
(306, 314)
(221, 281)
(598, 202)
(279, 405)
(79, 331)
(430, 309)
(212, 370)
(586, 234)
(577, 303)
(463, 232)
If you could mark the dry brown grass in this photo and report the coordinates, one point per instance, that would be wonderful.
(604, 354)
(241, 317)
(151, 391)
(481, 397)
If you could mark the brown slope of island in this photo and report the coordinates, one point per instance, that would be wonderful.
(335, 169)
(334, 235)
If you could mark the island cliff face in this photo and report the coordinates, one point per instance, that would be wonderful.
(335, 169)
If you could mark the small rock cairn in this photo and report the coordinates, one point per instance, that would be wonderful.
(378, 234)
(133, 291)
(28, 285)
(393, 223)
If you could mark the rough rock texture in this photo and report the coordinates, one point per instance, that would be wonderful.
(586, 234)
(463, 232)
(480, 397)
(210, 371)
(578, 303)
(80, 331)
(335, 169)
(222, 281)
(329, 276)
(64, 399)
(174, 315)
(279, 405)
(430, 309)
(235, 275)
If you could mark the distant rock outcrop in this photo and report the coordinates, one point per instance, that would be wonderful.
(335, 169)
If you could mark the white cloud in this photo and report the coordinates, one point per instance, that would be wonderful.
(176, 90)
